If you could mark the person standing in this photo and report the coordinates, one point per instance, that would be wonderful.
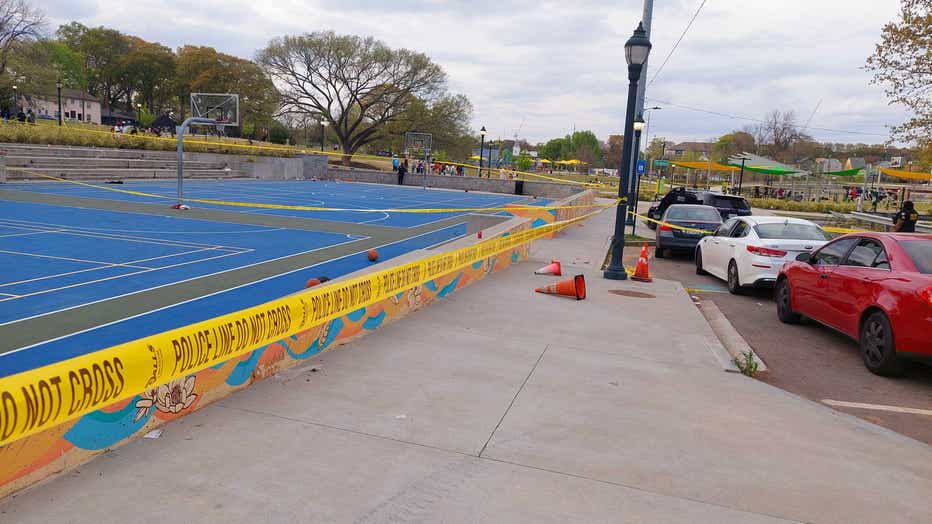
(395, 163)
(905, 220)
(402, 170)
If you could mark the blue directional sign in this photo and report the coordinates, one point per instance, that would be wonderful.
(642, 165)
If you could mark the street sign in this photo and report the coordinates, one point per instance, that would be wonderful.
(661, 163)
(642, 165)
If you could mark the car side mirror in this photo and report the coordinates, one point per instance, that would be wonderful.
(804, 257)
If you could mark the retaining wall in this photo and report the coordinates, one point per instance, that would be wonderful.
(33, 458)
(491, 185)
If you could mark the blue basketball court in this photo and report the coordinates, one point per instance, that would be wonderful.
(77, 277)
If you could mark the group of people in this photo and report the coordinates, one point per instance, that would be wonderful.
(29, 117)
(402, 166)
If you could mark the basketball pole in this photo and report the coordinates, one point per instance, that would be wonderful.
(184, 125)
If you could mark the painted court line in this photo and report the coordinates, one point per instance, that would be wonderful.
(106, 267)
(176, 282)
(877, 407)
(71, 259)
(28, 234)
(127, 238)
(146, 270)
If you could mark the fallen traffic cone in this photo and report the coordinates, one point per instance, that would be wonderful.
(642, 272)
(551, 269)
(574, 287)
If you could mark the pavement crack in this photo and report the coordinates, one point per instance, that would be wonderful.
(513, 399)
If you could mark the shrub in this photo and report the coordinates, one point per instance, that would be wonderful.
(824, 206)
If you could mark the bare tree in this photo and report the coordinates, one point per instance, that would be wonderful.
(356, 84)
(19, 22)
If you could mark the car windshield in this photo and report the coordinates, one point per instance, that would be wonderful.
(701, 214)
(921, 253)
(790, 231)
(726, 202)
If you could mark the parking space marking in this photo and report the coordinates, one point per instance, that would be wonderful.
(877, 407)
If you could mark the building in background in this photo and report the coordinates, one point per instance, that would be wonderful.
(77, 106)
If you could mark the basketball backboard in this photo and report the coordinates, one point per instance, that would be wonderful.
(419, 142)
(221, 107)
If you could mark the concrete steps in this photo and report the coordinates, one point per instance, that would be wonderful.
(30, 161)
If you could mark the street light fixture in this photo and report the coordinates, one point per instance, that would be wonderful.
(481, 149)
(636, 50)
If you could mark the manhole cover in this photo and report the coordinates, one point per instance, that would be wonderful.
(632, 294)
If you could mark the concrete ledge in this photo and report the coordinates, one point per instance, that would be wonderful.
(732, 341)
(491, 185)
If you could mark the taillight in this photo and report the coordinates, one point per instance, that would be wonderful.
(926, 295)
(766, 251)
(665, 227)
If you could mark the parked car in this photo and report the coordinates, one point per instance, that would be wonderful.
(874, 287)
(727, 205)
(749, 251)
(699, 221)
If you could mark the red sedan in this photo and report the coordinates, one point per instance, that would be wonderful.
(874, 287)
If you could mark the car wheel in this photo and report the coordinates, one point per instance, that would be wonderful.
(785, 303)
(734, 283)
(658, 252)
(877, 348)
(699, 270)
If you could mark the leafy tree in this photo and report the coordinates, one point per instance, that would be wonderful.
(357, 84)
(278, 132)
(553, 149)
(656, 149)
(445, 118)
(584, 146)
(732, 144)
(149, 68)
(67, 63)
(104, 51)
(524, 162)
(19, 23)
(902, 63)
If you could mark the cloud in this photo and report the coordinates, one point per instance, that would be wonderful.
(559, 65)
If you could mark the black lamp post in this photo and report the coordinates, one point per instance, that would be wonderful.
(488, 170)
(60, 115)
(481, 149)
(323, 126)
(636, 50)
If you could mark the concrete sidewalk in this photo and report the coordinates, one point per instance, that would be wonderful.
(501, 405)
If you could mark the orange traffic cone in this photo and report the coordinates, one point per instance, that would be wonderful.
(551, 269)
(574, 287)
(642, 272)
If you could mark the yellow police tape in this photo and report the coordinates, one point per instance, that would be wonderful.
(41, 398)
(261, 205)
(829, 229)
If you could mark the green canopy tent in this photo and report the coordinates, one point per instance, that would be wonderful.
(846, 172)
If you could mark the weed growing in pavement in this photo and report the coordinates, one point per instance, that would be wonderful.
(746, 363)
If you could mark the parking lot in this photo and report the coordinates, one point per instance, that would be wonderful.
(808, 359)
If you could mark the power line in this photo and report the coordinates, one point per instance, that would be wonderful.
(760, 121)
(665, 60)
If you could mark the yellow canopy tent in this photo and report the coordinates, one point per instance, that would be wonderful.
(705, 165)
(544, 161)
(475, 157)
(909, 175)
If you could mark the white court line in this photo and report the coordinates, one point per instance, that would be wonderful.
(176, 282)
(9, 295)
(28, 234)
(105, 267)
(71, 259)
(209, 294)
(877, 407)
(127, 238)
(147, 270)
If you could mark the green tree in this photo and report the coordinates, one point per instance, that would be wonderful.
(68, 63)
(524, 162)
(150, 68)
(357, 84)
(553, 149)
(20, 22)
(104, 51)
(446, 119)
(732, 144)
(902, 63)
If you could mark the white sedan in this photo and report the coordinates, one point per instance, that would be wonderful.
(749, 251)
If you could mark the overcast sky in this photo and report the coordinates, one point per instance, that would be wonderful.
(556, 65)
